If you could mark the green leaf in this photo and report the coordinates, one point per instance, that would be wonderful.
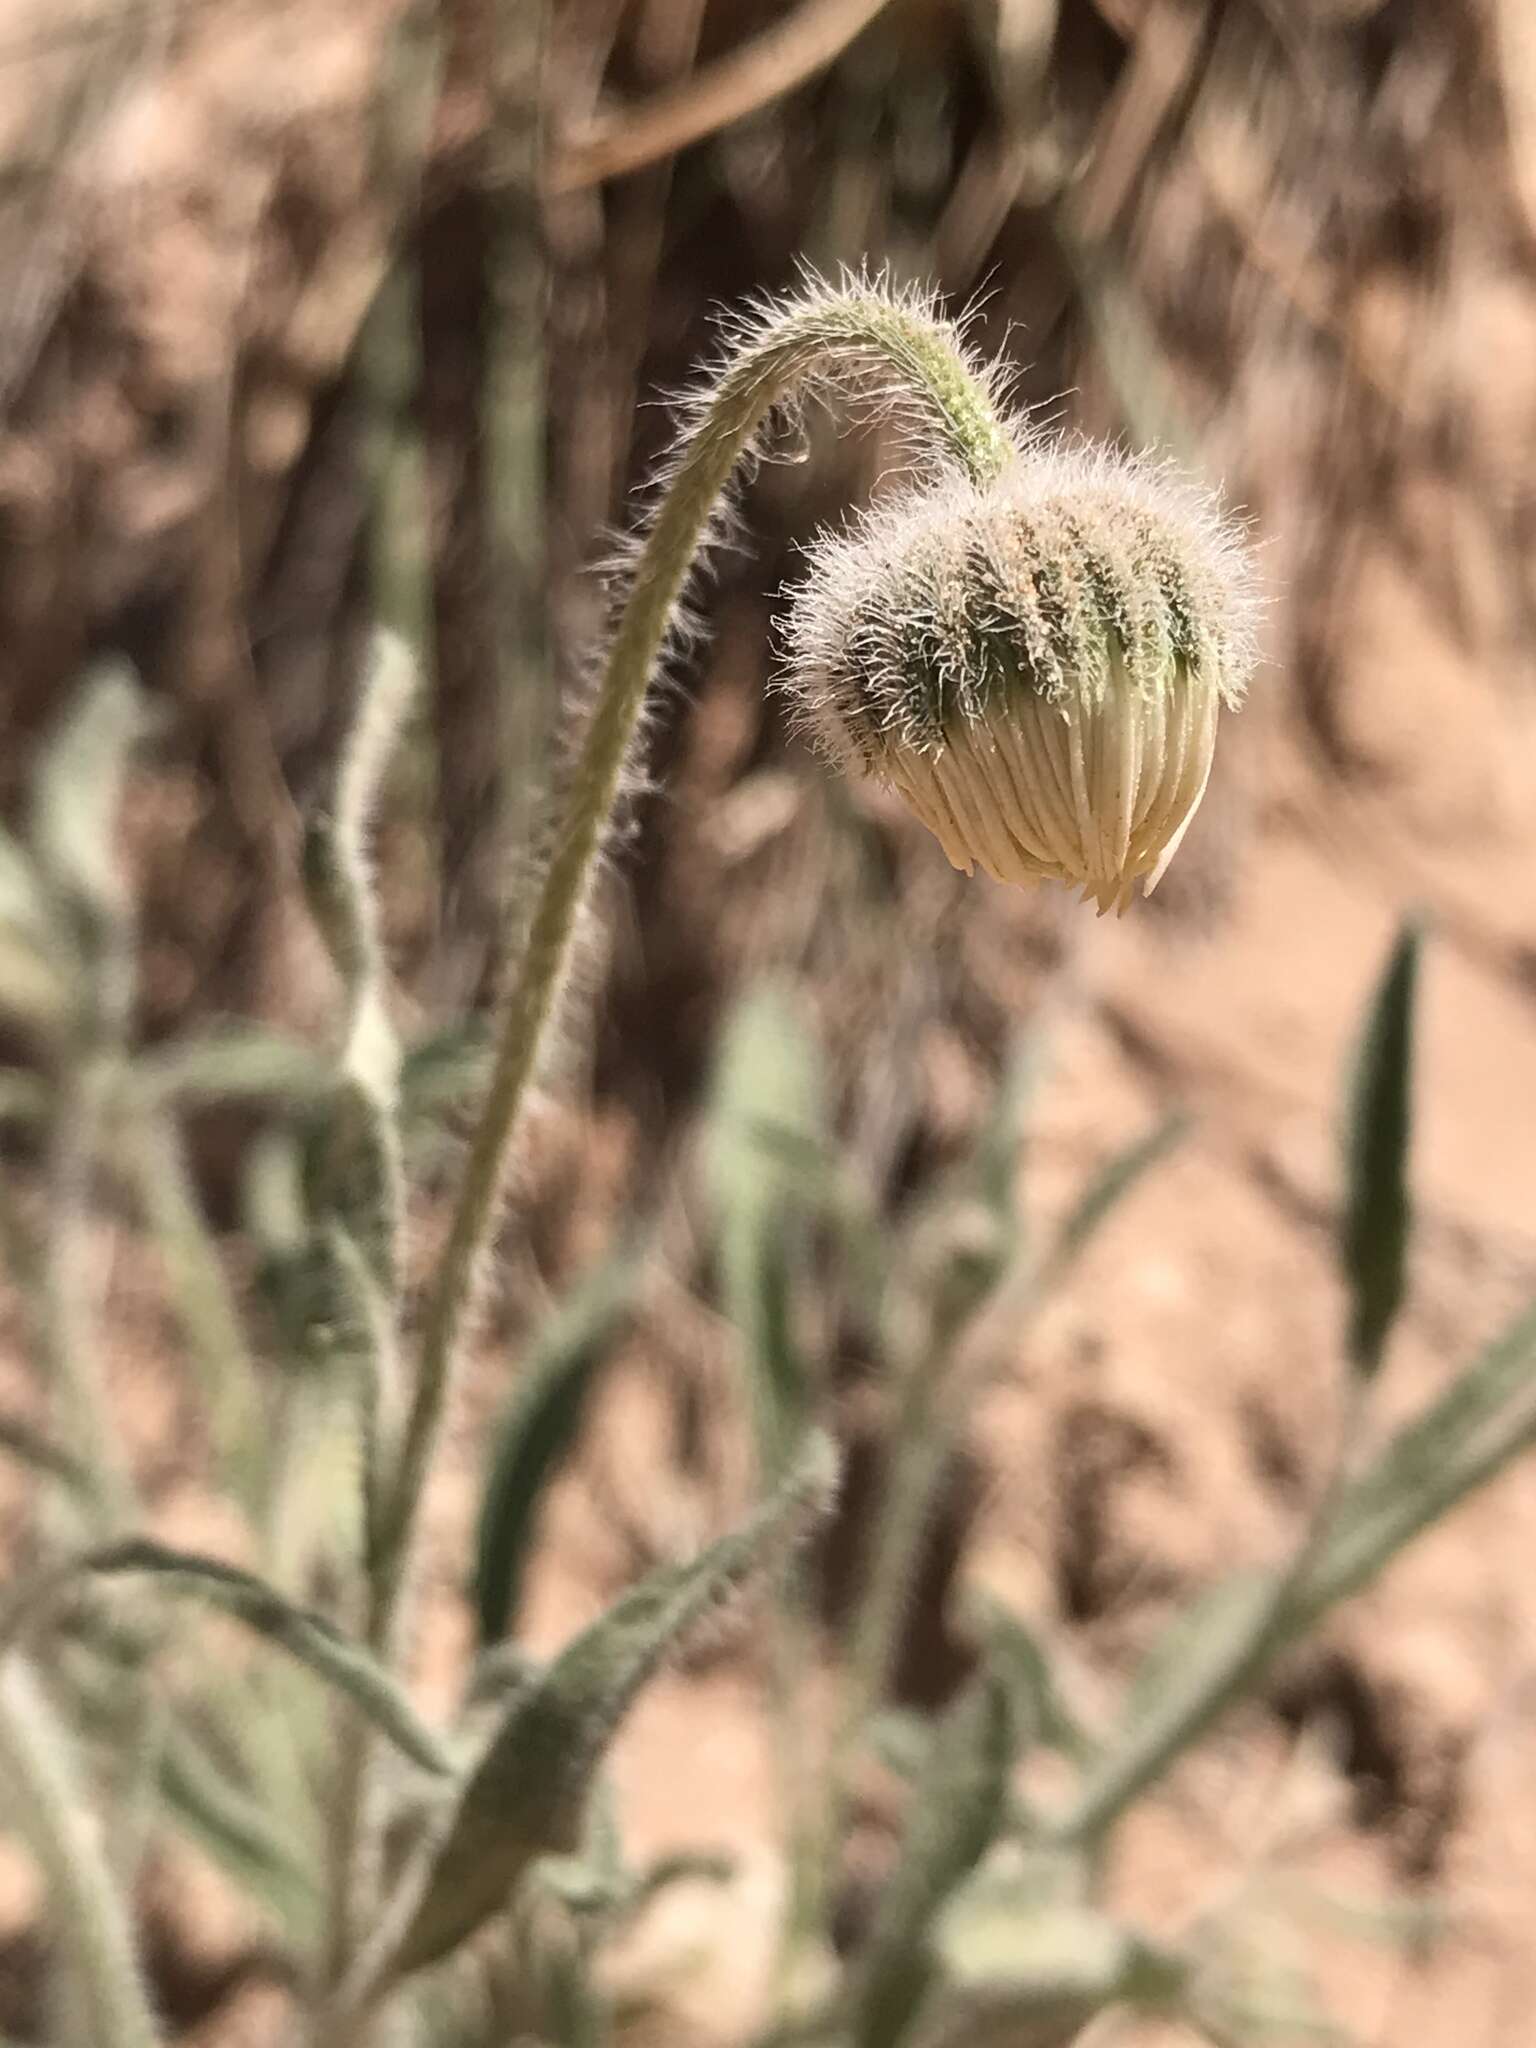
(236, 1832)
(1477, 1427)
(1016, 1654)
(33, 1446)
(1107, 1189)
(353, 1173)
(527, 1796)
(1373, 1237)
(538, 1429)
(766, 1169)
(1192, 1671)
(972, 1220)
(1228, 1636)
(236, 1063)
(305, 1635)
(959, 1802)
(1201, 1635)
(203, 1302)
(45, 1796)
(444, 1072)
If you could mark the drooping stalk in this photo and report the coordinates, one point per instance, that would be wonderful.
(851, 338)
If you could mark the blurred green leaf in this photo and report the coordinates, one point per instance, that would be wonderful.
(959, 1801)
(1016, 1654)
(1373, 1237)
(1483, 1421)
(766, 1165)
(527, 1795)
(237, 1833)
(236, 1063)
(444, 1072)
(44, 1796)
(202, 1300)
(1199, 1636)
(34, 1447)
(305, 1635)
(538, 1429)
(353, 1175)
(973, 1219)
(1193, 1670)
(1106, 1190)
(1218, 1646)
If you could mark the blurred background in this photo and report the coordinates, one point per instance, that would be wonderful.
(316, 309)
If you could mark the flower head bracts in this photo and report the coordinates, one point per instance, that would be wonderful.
(1035, 662)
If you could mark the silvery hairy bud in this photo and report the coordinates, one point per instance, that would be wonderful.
(1036, 663)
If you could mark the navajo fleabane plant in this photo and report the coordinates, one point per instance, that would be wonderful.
(1032, 646)
(1035, 660)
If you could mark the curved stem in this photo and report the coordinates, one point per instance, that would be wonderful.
(830, 336)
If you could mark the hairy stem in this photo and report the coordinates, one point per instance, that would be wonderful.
(837, 336)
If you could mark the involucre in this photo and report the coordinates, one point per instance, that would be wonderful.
(1035, 661)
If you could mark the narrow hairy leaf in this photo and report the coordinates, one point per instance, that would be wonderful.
(43, 1794)
(527, 1796)
(974, 1215)
(1485, 1419)
(1223, 1642)
(996, 1159)
(1202, 1636)
(235, 1062)
(238, 1834)
(1023, 1664)
(538, 1429)
(33, 1446)
(203, 1301)
(1373, 1236)
(305, 1635)
(765, 1163)
(1108, 1188)
(957, 1807)
(1194, 1669)
(443, 1072)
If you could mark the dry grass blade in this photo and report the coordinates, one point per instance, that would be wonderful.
(764, 69)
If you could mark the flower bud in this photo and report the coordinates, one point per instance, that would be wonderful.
(1035, 663)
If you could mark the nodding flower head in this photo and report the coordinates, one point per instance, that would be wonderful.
(1035, 663)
